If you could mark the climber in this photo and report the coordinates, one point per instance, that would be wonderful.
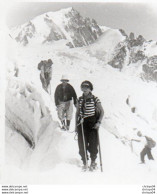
(63, 99)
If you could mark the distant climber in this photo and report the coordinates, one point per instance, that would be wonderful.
(63, 99)
(149, 143)
(46, 74)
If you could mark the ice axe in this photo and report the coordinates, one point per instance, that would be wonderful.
(84, 144)
(101, 166)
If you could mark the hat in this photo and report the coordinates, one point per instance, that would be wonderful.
(64, 78)
(87, 83)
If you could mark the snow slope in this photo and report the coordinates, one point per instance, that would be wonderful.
(119, 166)
(30, 110)
(103, 48)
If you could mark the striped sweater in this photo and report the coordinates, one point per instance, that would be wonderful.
(87, 106)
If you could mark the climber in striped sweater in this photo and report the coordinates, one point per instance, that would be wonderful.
(90, 113)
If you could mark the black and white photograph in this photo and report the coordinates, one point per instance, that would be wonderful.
(81, 93)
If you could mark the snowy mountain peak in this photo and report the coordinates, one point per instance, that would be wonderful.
(62, 13)
(67, 28)
(65, 24)
(66, 10)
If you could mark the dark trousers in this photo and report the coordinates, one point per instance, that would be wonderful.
(91, 140)
(45, 82)
(146, 151)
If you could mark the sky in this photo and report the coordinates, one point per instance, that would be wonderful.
(140, 18)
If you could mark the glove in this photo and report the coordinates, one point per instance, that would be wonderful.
(82, 120)
(96, 126)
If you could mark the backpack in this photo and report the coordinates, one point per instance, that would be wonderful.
(40, 65)
(45, 64)
(97, 110)
(150, 142)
